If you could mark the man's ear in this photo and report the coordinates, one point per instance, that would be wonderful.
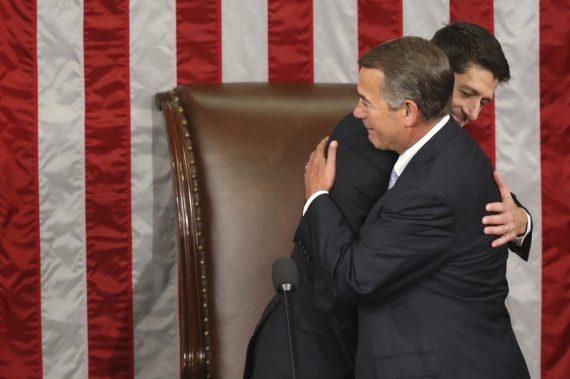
(411, 112)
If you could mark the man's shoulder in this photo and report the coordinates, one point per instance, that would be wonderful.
(463, 172)
(452, 151)
(349, 127)
(451, 162)
(352, 137)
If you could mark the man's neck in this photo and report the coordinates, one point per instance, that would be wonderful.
(418, 132)
(407, 155)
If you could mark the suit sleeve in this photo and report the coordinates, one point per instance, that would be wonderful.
(362, 171)
(409, 238)
(522, 251)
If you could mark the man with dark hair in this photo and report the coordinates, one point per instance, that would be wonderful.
(326, 331)
(429, 287)
(479, 65)
(467, 44)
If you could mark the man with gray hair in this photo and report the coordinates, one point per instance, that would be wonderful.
(429, 287)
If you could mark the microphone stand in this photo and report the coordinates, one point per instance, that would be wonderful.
(287, 293)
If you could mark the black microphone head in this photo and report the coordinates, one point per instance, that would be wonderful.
(284, 271)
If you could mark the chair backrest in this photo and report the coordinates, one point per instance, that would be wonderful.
(238, 155)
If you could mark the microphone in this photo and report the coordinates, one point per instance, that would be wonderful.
(285, 278)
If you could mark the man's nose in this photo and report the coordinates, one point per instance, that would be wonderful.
(473, 109)
(359, 110)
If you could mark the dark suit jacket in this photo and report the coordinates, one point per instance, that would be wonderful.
(325, 331)
(429, 288)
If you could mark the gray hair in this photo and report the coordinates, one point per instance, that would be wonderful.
(414, 69)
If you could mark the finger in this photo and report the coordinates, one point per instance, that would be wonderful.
(498, 207)
(503, 189)
(494, 220)
(496, 230)
(331, 155)
(500, 241)
(311, 159)
(321, 146)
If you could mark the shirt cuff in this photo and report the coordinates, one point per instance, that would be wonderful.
(313, 197)
(519, 240)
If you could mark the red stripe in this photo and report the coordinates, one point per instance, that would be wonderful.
(478, 12)
(107, 187)
(20, 305)
(290, 40)
(199, 41)
(555, 175)
(378, 21)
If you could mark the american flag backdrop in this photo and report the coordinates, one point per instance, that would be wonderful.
(87, 264)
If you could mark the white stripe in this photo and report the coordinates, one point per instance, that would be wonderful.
(155, 307)
(423, 18)
(244, 41)
(62, 190)
(335, 36)
(517, 120)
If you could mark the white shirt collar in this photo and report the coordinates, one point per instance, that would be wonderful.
(407, 155)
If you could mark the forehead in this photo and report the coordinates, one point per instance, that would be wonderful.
(477, 78)
(369, 81)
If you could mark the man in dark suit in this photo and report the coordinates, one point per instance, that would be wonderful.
(326, 331)
(429, 287)
(479, 66)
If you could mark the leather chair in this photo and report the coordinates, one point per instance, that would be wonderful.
(238, 154)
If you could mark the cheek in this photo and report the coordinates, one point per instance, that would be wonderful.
(457, 105)
(456, 111)
(457, 100)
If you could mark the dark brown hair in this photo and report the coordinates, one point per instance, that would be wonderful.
(467, 44)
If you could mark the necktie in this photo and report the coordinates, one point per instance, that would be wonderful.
(393, 179)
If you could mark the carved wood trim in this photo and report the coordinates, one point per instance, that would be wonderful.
(195, 344)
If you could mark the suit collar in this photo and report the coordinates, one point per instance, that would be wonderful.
(450, 130)
(409, 154)
(431, 148)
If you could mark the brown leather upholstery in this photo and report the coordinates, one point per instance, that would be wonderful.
(238, 156)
